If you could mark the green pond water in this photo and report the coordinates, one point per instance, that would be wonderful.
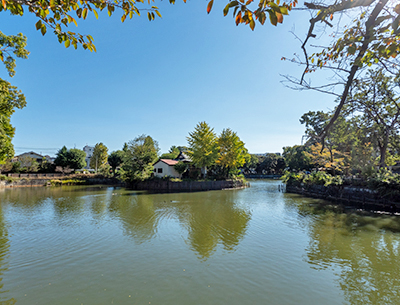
(105, 245)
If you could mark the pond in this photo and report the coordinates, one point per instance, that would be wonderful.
(105, 245)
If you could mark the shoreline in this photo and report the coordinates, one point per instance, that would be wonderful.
(349, 197)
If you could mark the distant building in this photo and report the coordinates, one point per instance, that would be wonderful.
(165, 167)
(31, 154)
(89, 154)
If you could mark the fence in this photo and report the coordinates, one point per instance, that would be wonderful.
(37, 175)
(188, 186)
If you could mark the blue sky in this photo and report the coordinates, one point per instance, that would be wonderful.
(161, 78)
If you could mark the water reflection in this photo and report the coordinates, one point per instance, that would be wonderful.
(362, 249)
(4, 252)
(209, 218)
(137, 214)
(214, 220)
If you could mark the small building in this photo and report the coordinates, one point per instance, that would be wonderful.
(165, 167)
(89, 153)
(31, 154)
(183, 158)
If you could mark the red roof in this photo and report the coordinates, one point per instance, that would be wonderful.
(169, 161)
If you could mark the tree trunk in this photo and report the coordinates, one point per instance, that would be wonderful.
(382, 150)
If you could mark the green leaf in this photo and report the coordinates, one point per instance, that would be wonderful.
(226, 9)
(43, 29)
(272, 17)
(67, 43)
(96, 14)
(284, 10)
(233, 3)
(274, 6)
(38, 25)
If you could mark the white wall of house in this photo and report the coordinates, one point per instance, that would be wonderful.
(162, 169)
(89, 153)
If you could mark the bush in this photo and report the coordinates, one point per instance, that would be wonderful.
(314, 178)
(385, 182)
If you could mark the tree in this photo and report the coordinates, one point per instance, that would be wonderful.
(371, 39)
(251, 164)
(99, 157)
(172, 154)
(73, 158)
(297, 157)
(28, 164)
(271, 164)
(76, 158)
(139, 158)
(377, 97)
(115, 159)
(232, 153)
(203, 146)
(181, 167)
(57, 15)
(10, 98)
(62, 157)
(10, 46)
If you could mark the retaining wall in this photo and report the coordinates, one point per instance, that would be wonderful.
(355, 197)
(187, 186)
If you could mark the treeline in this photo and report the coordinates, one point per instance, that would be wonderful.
(210, 156)
(361, 148)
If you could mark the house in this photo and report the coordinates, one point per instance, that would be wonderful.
(165, 167)
(31, 154)
(89, 153)
(183, 157)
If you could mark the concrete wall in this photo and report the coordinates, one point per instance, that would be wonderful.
(187, 186)
(354, 197)
(167, 170)
(37, 175)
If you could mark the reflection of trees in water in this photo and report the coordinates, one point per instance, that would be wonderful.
(137, 214)
(4, 246)
(365, 248)
(213, 218)
(209, 217)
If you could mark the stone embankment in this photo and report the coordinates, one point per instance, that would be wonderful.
(349, 196)
(57, 180)
(188, 186)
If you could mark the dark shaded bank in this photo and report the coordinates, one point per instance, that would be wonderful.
(187, 186)
(349, 196)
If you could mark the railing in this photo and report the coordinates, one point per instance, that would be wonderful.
(37, 175)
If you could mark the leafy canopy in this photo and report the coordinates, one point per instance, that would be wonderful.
(57, 15)
(233, 154)
(73, 158)
(203, 146)
(139, 157)
(99, 157)
(115, 159)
